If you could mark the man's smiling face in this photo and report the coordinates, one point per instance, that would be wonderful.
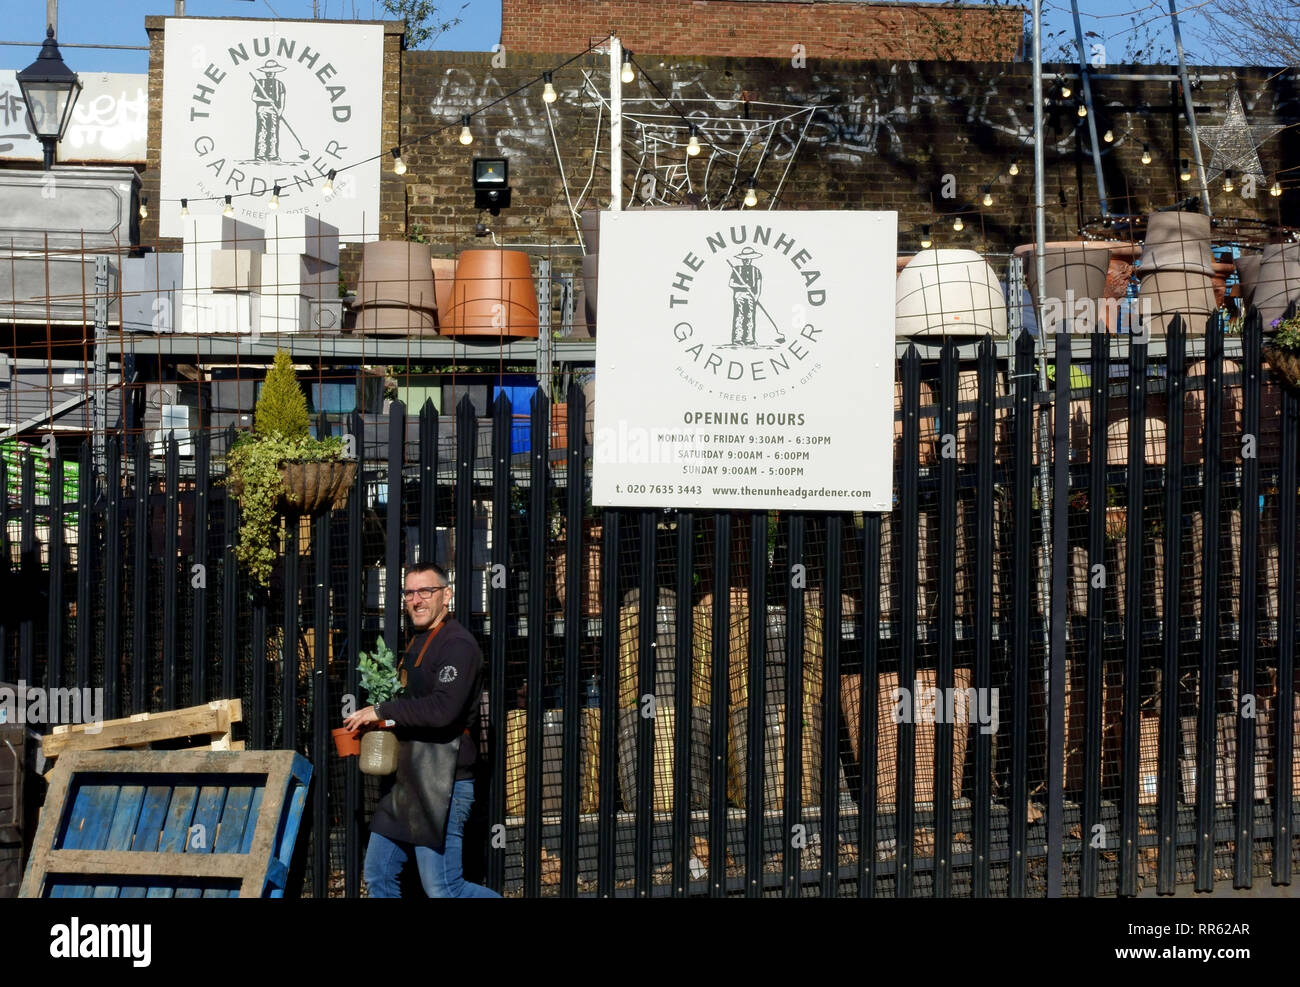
(425, 613)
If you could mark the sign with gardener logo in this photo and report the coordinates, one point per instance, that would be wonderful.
(745, 360)
(249, 105)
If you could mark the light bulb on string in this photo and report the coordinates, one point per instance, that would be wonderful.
(1227, 180)
(988, 196)
(144, 207)
(629, 73)
(1066, 91)
(275, 198)
(926, 240)
(327, 189)
(751, 195)
(1083, 110)
(185, 208)
(1184, 171)
(548, 89)
(399, 166)
(693, 145)
(958, 225)
(1109, 137)
(230, 208)
(466, 137)
(1275, 189)
(1146, 154)
(1014, 170)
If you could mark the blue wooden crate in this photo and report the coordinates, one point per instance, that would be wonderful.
(164, 824)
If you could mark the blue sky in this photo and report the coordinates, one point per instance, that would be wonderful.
(85, 21)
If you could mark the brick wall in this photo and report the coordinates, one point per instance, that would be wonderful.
(768, 28)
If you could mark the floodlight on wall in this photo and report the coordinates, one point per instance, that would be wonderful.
(49, 91)
(491, 179)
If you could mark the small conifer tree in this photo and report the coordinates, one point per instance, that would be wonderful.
(282, 407)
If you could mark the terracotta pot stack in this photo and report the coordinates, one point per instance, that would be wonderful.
(493, 296)
(1271, 281)
(395, 292)
(1178, 271)
(1074, 271)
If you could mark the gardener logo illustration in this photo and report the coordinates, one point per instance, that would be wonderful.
(741, 305)
(268, 103)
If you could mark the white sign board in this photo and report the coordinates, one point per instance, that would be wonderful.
(746, 360)
(110, 120)
(248, 105)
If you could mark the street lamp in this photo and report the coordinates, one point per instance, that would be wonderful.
(49, 89)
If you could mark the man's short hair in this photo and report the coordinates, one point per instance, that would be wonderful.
(433, 567)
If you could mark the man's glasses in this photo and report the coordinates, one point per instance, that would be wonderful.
(424, 592)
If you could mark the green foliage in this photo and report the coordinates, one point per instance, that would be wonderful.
(1287, 334)
(282, 407)
(253, 464)
(379, 673)
(424, 22)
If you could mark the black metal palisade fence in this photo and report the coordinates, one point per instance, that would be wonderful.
(622, 752)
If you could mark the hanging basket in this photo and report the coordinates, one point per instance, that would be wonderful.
(312, 487)
(1285, 363)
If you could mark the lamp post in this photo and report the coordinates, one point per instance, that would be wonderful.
(49, 90)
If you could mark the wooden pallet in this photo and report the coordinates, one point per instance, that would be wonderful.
(214, 721)
(162, 824)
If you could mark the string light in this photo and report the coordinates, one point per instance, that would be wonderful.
(548, 90)
(958, 225)
(275, 198)
(1146, 154)
(1014, 169)
(1275, 189)
(988, 196)
(1184, 171)
(1083, 110)
(1227, 180)
(230, 208)
(751, 196)
(1066, 91)
(399, 166)
(185, 208)
(925, 237)
(629, 73)
(693, 145)
(1109, 138)
(328, 188)
(466, 137)
(144, 207)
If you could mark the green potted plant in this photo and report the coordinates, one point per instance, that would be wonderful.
(380, 679)
(278, 469)
(1283, 352)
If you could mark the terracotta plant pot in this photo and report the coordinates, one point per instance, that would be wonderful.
(949, 293)
(395, 290)
(347, 743)
(493, 297)
(444, 278)
(1074, 270)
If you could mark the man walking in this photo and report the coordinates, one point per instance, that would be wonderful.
(437, 721)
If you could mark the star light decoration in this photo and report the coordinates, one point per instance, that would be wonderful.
(1235, 143)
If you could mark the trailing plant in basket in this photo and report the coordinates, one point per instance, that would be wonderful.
(1283, 351)
(254, 464)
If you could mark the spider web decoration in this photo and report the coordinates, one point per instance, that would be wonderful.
(752, 137)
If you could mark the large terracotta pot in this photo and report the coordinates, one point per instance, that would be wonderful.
(444, 277)
(493, 296)
(395, 289)
(1083, 268)
(949, 293)
(1277, 282)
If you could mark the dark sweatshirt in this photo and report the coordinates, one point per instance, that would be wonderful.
(442, 694)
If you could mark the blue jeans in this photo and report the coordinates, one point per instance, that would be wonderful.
(440, 870)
